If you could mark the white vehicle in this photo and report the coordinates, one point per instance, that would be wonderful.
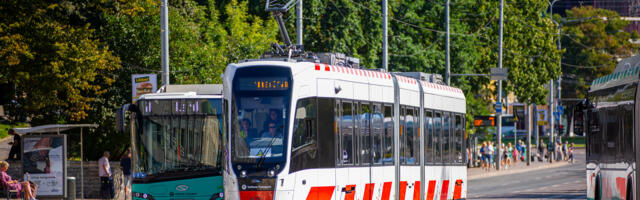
(611, 124)
(304, 130)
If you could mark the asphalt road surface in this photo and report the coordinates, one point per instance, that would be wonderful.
(565, 182)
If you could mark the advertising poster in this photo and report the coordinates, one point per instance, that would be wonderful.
(143, 84)
(43, 158)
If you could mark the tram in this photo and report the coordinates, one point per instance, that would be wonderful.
(304, 130)
(612, 121)
(177, 143)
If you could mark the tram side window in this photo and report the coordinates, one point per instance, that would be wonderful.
(365, 133)
(428, 136)
(346, 133)
(409, 154)
(388, 135)
(612, 133)
(416, 136)
(437, 137)
(403, 143)
(377, 133)
(446, 138)
(459, 139)
(628, 132)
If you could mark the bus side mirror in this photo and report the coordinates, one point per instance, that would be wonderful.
(120, 118)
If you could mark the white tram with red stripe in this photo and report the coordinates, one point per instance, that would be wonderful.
(304, 130)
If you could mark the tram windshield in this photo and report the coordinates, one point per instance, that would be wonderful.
(259, 127)
(178, 137)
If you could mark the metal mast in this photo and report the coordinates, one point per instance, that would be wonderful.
(385, 36)
(299, 22)
(499, 129)
(164, 29)
(448, 73)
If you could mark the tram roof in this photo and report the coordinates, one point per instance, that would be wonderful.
(626, 72)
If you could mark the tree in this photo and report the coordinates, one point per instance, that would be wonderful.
(57, 68)
(594, 39)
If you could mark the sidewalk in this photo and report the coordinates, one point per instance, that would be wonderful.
(477, 173)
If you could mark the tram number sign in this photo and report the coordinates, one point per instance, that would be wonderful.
(480, 121)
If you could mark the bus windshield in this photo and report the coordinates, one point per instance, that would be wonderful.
(177, 136)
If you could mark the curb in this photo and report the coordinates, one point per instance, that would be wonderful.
(516, 171)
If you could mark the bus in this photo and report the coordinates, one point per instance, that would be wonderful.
(304, 130)
(177, 143)
(611, 123)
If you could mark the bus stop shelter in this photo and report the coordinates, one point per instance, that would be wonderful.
(57, 128)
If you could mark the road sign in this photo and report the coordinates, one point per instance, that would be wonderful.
(560, 109)
(499, 74)
(498, 107)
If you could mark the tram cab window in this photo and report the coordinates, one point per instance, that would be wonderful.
(388, 135)
(437, 137)
(346, 133)
(364, 133)
(428, 136)
(377, 133)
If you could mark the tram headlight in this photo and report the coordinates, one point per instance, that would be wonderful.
(271, 173)
(243, 173)
(239, 167)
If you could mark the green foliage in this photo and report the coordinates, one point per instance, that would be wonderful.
(592, 45)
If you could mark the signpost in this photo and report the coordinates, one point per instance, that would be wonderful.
(498, 107)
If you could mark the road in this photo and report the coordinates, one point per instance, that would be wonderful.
(565, 182)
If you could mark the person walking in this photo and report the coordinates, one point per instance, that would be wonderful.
(16, 146)
(571, 153)
(565, 150)
(106, 181)
(491, 152)
(125, 164)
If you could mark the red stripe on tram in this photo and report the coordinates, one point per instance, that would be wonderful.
(445, 190)
(320, 193)
(386, 190)
(317, 67)
(431, 189)
(403, 189)
(351, 194)
(368, 191)
(457, 191)
(621, 184)
(416, 191)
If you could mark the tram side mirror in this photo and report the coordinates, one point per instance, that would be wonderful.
(120, 118)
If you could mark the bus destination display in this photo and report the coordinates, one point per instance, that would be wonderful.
(263, 84)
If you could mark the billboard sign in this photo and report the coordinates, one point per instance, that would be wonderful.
(44, 158)
(142, 84)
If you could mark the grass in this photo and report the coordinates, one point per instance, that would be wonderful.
(4, 128)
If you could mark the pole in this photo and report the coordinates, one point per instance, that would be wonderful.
(164, 30)
(385, 42)
(299, 22)
(551, 132)
(448, 73)
(499, 129)
(529, 127)
(81, 166)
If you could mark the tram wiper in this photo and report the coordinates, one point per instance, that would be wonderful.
(264, 154)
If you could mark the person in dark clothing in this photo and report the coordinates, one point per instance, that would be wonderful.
(125, 163)
(14, 153)
(273, 117)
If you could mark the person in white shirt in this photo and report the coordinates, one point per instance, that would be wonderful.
(104, 170)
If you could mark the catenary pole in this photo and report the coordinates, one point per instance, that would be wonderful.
(299, 22)
(499, 129)
(529, 125)
(448, 73)
(164, 29)
(385, 42)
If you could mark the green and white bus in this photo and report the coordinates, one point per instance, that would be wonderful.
(177, 143)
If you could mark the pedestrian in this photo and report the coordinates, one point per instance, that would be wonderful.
(491, 152)
(565, 150)
(106, 181)
(571, 153)
(16, 146)
(484, 156)
(125, 164)
(508, 156)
